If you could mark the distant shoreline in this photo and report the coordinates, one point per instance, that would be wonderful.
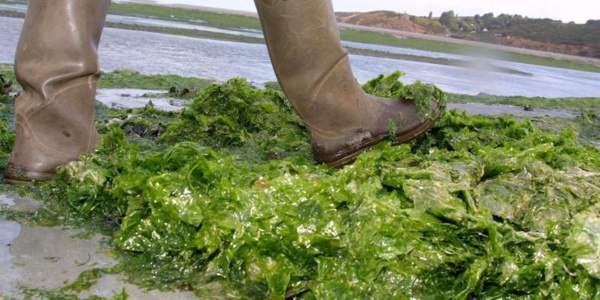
(398, 33)
(196, 7)
(406, 34)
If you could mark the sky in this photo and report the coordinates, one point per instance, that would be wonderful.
(578, 11)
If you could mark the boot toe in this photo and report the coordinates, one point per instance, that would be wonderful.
(400, 112)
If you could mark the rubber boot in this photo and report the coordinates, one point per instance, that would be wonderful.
(314, 71)
(57, 65)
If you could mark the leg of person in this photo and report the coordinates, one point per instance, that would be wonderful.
(314, 72)
(57, 65)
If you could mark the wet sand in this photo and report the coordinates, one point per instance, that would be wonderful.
(50, 258)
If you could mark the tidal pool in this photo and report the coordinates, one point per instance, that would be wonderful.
(49, 258)
(135, 98)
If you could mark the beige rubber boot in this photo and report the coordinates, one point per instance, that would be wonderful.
(57, 65)
(314, 72)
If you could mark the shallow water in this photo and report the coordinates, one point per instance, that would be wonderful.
(154, 53)
(13, 7)
(406, 51)
(135, 98)
(518, 111)
(9, 231)
(50, 257)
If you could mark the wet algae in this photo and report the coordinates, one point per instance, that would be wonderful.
(7, 134)
(228, 202)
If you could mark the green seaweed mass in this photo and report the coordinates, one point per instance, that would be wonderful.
(229, 203)
(7, 135)
(234, 117)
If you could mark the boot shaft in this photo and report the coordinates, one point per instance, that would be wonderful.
(57, 65)
(59, 41)
(312, 67)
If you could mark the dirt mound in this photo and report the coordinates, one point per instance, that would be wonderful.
(587, 51)
(393, 20)
(534, 36)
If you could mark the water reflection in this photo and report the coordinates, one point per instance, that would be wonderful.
(14, 7)
(154, 53)
(166, 54)
(405, 51)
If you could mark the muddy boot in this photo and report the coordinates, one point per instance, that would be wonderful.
(57, 65)
(314, 72)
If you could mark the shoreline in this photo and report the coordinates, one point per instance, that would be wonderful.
(252, 40)
(398, 33)
(352, 50)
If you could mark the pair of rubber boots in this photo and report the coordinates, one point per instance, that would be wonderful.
(57, 65)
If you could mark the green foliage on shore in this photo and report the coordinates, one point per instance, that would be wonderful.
(189, 33)
(540, 30)
(574, 104)
(188, 15)
(135, 80)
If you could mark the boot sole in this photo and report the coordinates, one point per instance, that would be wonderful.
(16, 182)
(27, 177)
(349, 155)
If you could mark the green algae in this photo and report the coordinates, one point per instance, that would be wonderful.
(7, 133)
(135, 80)
(235, 117)
(477, 208)
(423, 95)
(482, 208)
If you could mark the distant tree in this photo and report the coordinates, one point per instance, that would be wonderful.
(517, 19)
(447, 18)
(504, 21)
(465, 25)
(487, 17)
(593, 23)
